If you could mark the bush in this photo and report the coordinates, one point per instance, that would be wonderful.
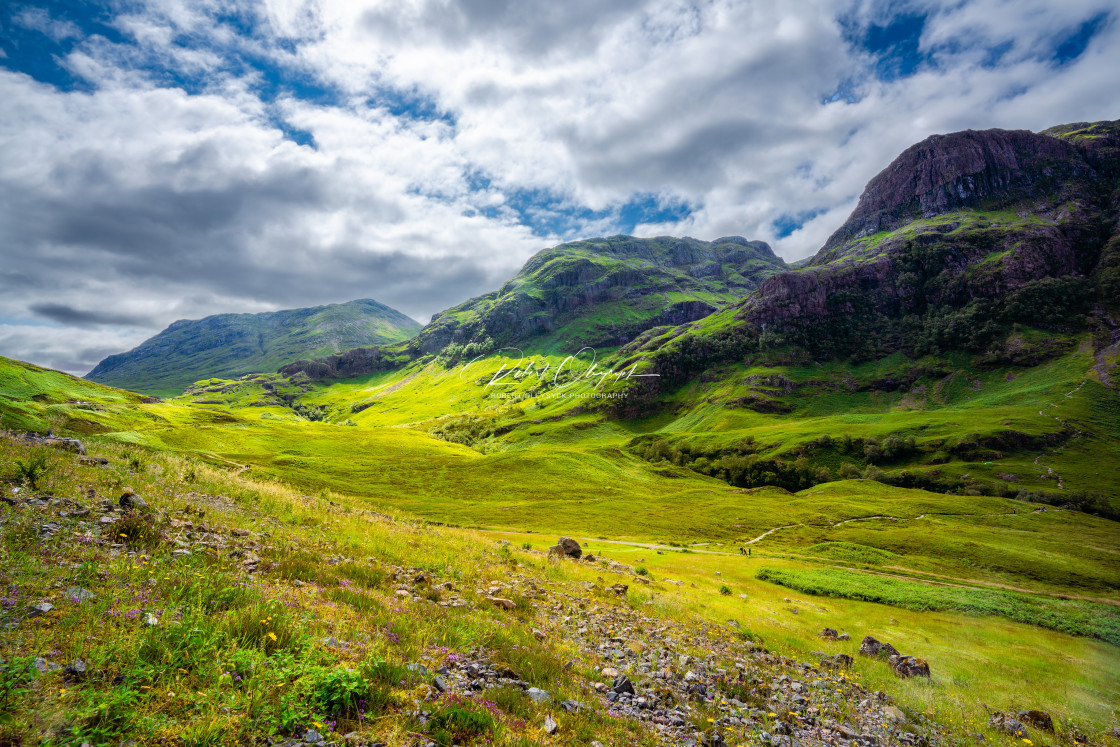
(725, 590)
(32, 470)
(459, 722)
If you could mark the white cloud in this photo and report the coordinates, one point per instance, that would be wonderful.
(171, 189)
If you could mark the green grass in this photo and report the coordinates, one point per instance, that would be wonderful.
(1076, 618)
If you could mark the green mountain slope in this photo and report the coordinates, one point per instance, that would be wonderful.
(600, 292)
(236, 344)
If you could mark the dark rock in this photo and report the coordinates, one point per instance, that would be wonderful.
(622, 684)
(829, 634)
(440, 684)
(1037, 719)
(566, 547)
(872, 647)
(131, 500)
(76, 669)
(837, 661)
(909, 666)
(312, 737)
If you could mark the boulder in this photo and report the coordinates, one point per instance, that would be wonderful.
(539, 696)
(622, 684)
(550, 726)
(566, 547)
(829, 634)
(620, 589)
(506, 604)
(872, 647)
(1037, 719)
(1007, 723)
(131, 500)
(909, 666)
(837, 661)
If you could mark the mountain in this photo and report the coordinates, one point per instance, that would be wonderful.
(960, 241)
(230, 345)
(600, 292)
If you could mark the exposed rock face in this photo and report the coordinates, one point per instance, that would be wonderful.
(965, 169)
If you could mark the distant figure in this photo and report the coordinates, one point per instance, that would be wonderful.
(748, 552)
(742, 551)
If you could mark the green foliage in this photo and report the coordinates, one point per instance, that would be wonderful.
(1074, 617)
(463, 352)
(137, 530)
(459, 721)
(850, 552)
(725, 590)
(32, 470)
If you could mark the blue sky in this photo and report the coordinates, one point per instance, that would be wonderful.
(162, 159)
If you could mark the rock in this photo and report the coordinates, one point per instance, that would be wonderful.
(312, 737)
(417, 668)
(131, 500)
(1006, 723)
(93, 461)
(566, 547)
(829, 634)
(843, 637)
(1116, 732)
(620, 589)
(440, 684)
(872, 647)
(539, 696)
(78, 595)
(572, 706)
(76, 669)
(538, 634)
(1037, 719)
(40, 609)
(622, 684)
(909, 666)
(609, 672)
(503, 543)
(352, 737)
(894, 714)
(505, 604)
(69, 444)
(151, 621)
(837, 661)
(550, 726)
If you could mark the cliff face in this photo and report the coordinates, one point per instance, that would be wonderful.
(955, 220)
(989, 170)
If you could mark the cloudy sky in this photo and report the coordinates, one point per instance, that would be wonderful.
(167, 159)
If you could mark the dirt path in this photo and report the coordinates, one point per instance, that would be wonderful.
(1076, 434)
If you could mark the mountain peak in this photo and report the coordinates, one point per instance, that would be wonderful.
(235, 344)
(973, 168)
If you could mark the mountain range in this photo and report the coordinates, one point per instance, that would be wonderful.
(231, 345)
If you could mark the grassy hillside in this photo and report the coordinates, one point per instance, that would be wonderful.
(235, 344)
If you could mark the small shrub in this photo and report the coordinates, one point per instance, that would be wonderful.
(264, 626)
(725, 590)
(526, 546)
(32, 470)
(136, 530)
(459, 722)
(641, 570)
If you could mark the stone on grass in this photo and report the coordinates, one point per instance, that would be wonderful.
(872, 647)
(829, 634)
(40, 609)
(538, 695)
(131, 500)
(909, 666)
(78, 595)
(1037, 719)
(566, 547)
(550, 726)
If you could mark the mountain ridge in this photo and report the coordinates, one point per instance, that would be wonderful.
(236, 344)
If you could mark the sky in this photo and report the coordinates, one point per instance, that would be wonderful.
(165, 159)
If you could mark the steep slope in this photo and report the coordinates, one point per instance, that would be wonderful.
(600, 292)
(960, 239)
(604, 292)
(235, 344)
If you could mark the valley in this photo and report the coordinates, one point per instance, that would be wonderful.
(915, 434)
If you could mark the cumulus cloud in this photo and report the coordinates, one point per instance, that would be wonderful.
(169, 159)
